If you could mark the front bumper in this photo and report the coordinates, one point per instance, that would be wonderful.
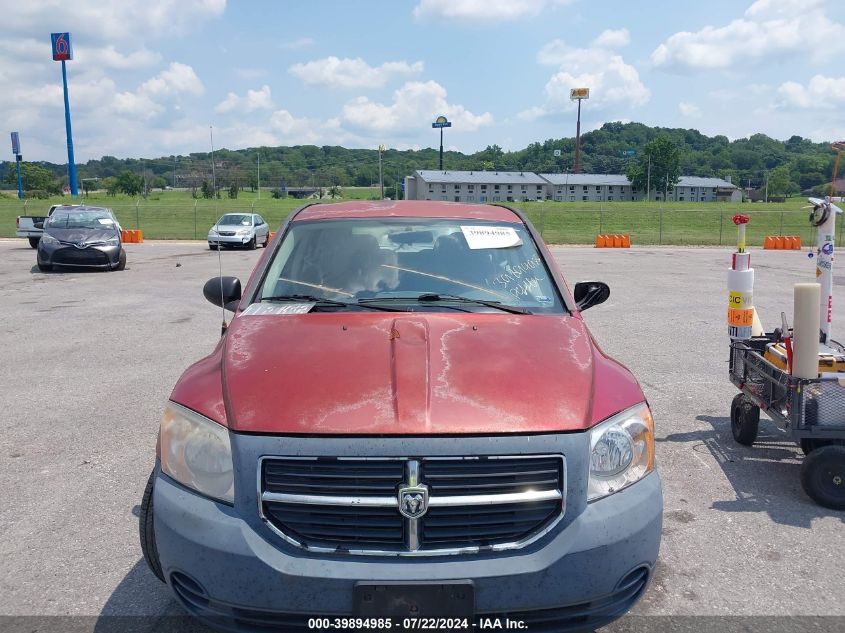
(103, 257)
(229, 240)
(226, 566)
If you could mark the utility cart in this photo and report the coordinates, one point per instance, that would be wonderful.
(811, 411)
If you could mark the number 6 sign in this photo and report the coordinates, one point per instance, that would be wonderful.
(61, 46)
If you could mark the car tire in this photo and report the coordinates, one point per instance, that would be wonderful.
(266, 240)
(213, 247)
(823, 476)
(121, 260)
(251, 245)
(745, 419)
(33, 242)
(146, 529)
(45, 268)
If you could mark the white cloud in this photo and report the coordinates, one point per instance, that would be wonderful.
(768, 28)
(351, 73)
(611, 38)
(95, 20)
(109, 57)
(482, 10)
(260, 99)
(820, 93)
(414, 105)
(175, 79)
(613, 83)
(689, 110)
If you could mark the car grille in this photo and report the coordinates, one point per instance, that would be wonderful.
(226, 233)
(470, 504)
(73, 256)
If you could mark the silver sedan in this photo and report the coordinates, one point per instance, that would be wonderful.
(247, 230)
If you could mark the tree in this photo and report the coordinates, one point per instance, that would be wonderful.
(780, 181)
(33, 177)
(110, 185)
(129, 183)
(233, 191)
(207, 191)
(665, 158)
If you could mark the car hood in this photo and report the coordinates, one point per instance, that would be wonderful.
(417, 374)
(82, 235)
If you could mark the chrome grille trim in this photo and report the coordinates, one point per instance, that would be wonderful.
(412, 470)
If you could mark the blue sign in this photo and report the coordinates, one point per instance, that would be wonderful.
(827, 249)
(16, 144)
(446, 124)
(61, 47)
(629, 152)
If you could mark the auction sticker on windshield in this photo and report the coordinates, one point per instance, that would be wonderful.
(478, 237)
(263, 309)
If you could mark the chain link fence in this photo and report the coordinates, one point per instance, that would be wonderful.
(559, 223)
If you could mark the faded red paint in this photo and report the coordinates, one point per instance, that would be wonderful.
(438, 373)
(435, 373)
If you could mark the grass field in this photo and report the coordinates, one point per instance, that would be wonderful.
(176, 215)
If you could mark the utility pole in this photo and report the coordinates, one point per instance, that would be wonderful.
(381, 171)
(259, 175)
(648, 181)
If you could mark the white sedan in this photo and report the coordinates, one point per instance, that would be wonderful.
(239, 229)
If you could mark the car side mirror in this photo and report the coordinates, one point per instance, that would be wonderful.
(590, 293)
(224, 292)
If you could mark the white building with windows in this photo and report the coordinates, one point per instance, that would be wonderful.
(475, 186)
(520, 186)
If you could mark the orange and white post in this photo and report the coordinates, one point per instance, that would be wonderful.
(741, 314)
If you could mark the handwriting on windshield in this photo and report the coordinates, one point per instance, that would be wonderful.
(518, 280)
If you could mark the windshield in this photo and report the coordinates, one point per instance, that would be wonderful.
(81, 220)
(235, 219)
(399, 260)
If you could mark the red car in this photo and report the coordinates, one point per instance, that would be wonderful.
(407, 418)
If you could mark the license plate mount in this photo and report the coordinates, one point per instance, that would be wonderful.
(402, 599)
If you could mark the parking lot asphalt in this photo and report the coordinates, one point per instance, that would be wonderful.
(89, 358)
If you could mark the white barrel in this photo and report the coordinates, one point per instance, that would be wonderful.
(805, 331)
(740, 299)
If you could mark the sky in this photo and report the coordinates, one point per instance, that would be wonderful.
(154, 78)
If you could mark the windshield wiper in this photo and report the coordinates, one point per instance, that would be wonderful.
(331, 302)
(446, 298)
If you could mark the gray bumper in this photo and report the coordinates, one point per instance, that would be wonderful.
(229, 240)
(237, 561)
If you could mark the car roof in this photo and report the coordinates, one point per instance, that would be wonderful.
(407, 209)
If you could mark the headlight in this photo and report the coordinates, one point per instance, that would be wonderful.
(114, 239)
(195, 451)
(243, 232)
(621, 451)
(48, 239)
(212, 231)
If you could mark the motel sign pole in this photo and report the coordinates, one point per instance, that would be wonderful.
(62, 51)
(441, 122)
(577, 94)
